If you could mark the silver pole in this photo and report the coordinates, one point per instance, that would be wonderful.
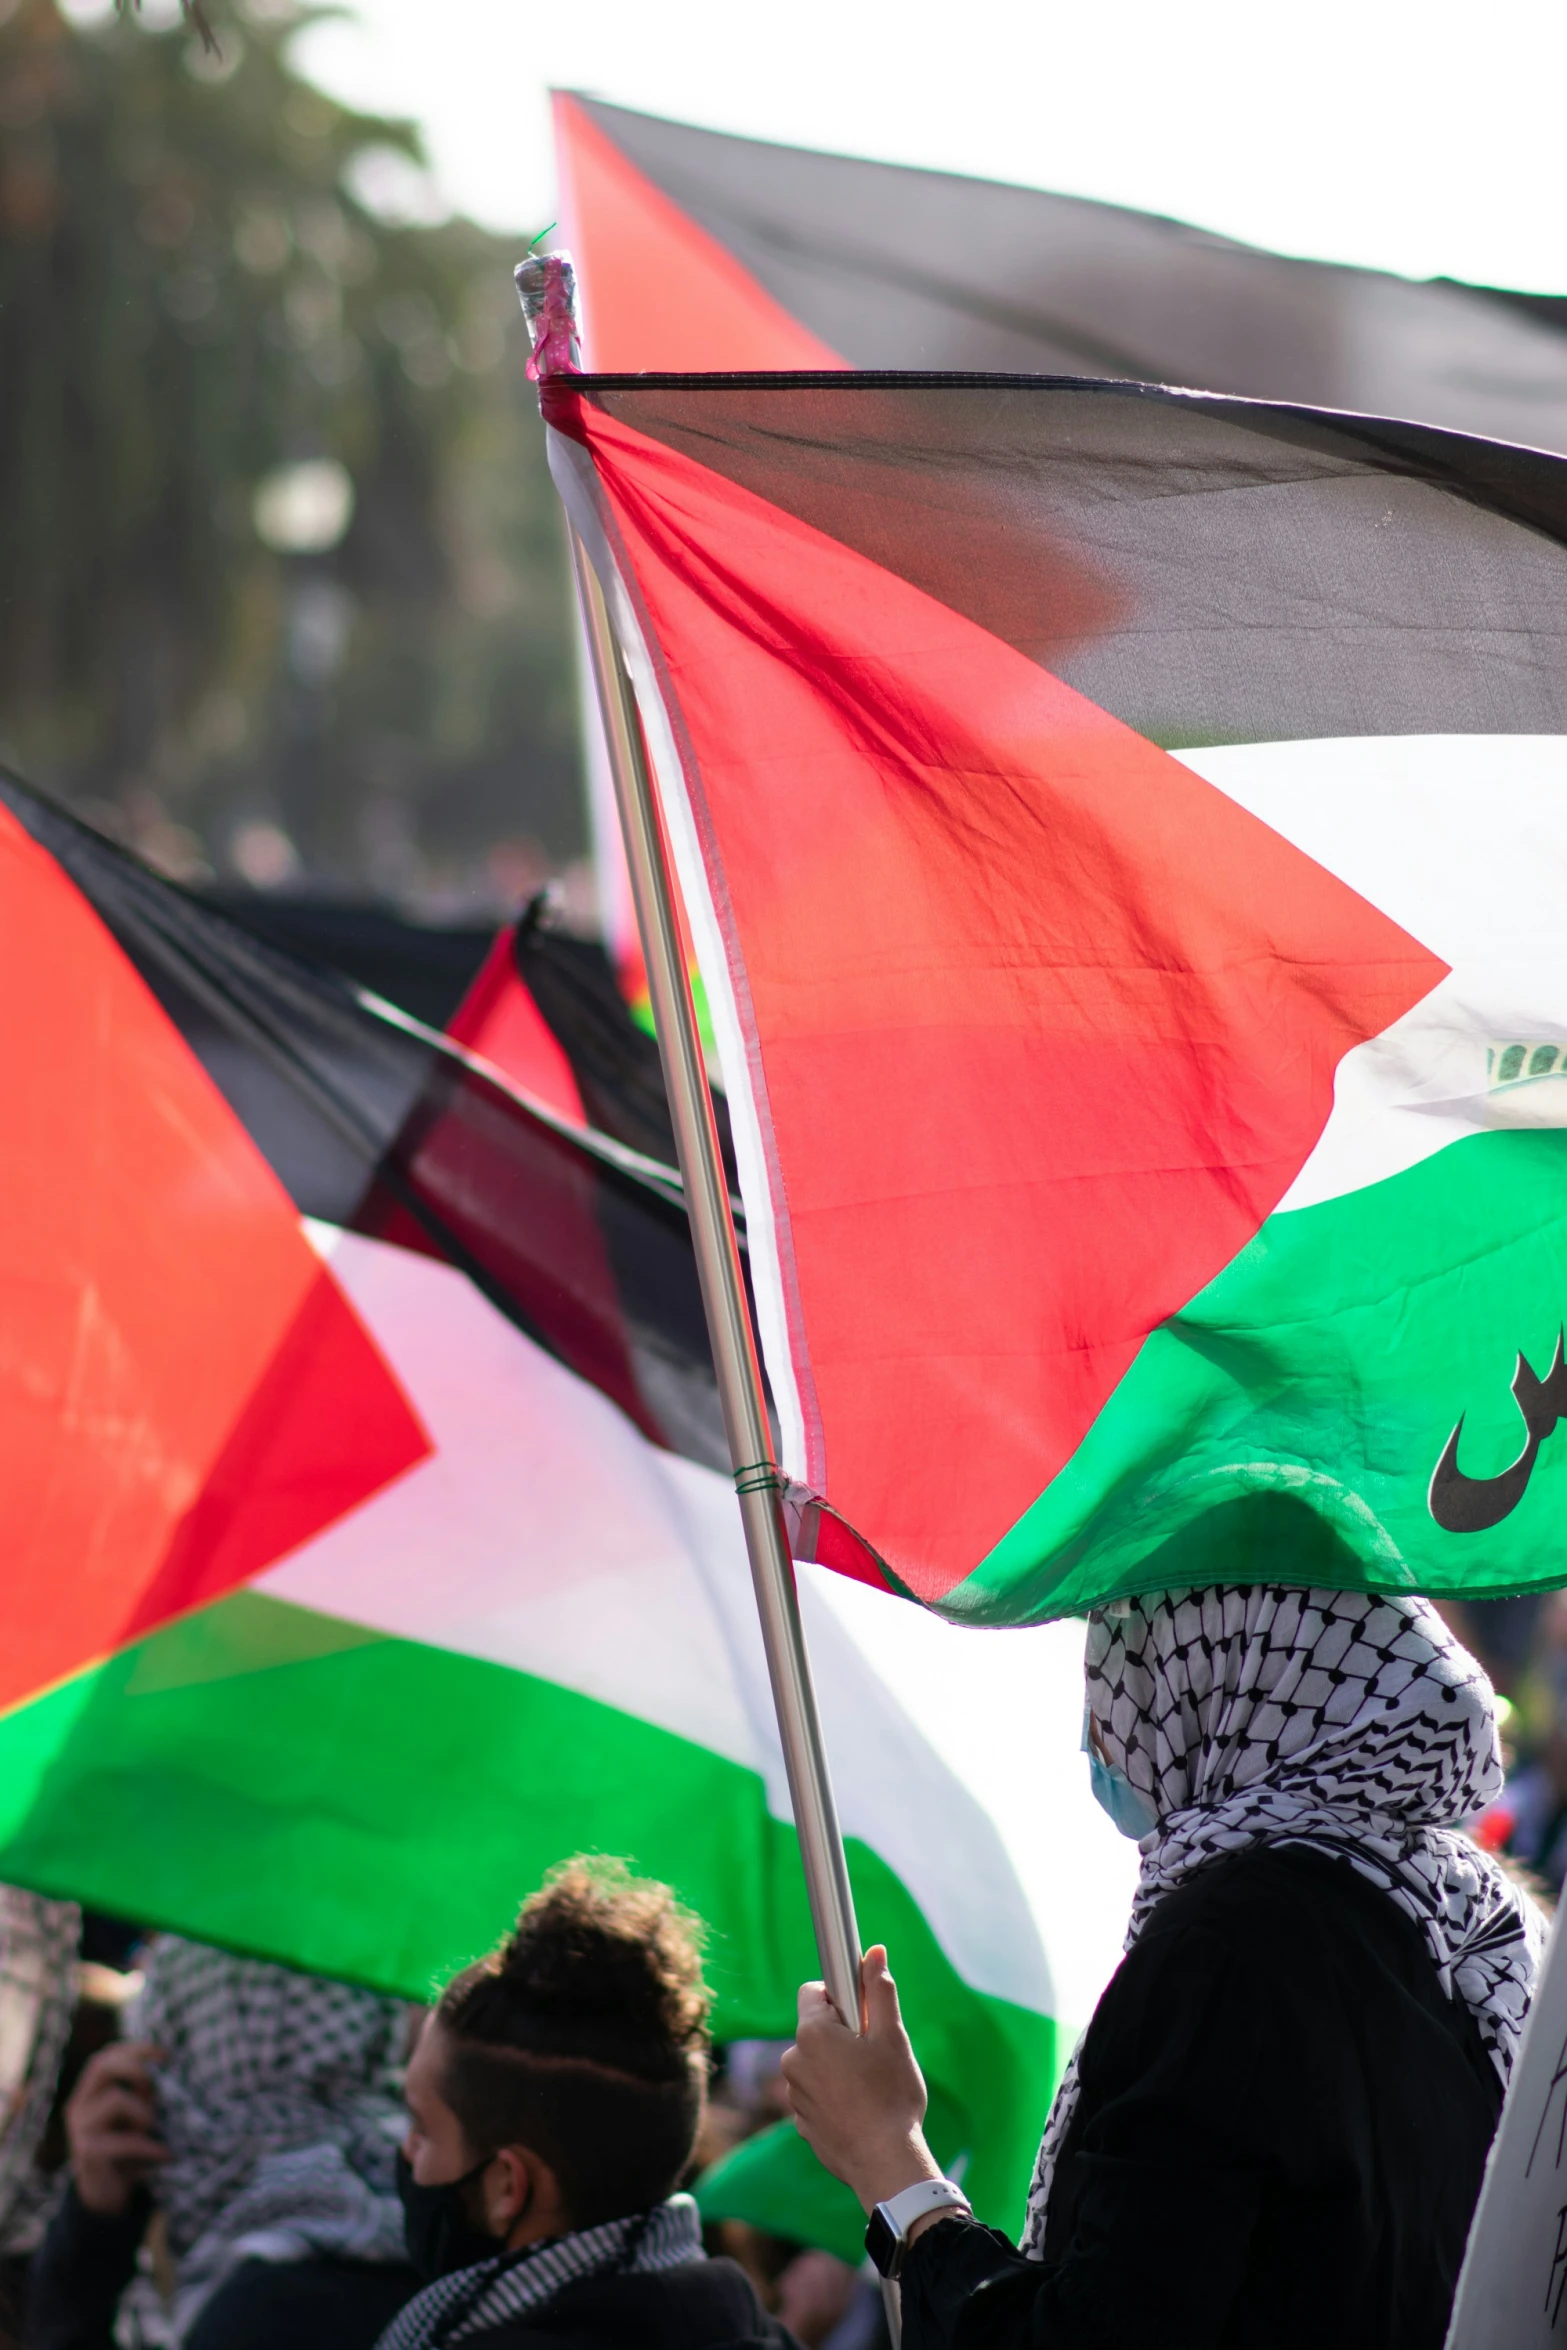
(728, 1316)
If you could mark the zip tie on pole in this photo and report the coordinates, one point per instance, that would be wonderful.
(760, 1477)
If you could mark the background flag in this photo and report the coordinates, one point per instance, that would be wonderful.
(369, 1549)
(1129, 830)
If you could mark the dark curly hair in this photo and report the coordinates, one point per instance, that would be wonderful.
(585, 2037)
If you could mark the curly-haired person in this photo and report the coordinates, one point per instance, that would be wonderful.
(555, 2097)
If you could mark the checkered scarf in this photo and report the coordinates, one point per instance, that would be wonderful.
(38, 1946)
(474, 2300)
(278, 2098)
(1350, 1724)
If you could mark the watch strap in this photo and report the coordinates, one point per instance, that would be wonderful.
(887, 2236)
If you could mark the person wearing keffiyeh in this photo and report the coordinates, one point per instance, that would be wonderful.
(1273, 2131)
(259, 2111)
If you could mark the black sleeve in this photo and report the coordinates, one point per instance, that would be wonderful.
(1163, 2181)
(1157, 2258)
(79, 2272)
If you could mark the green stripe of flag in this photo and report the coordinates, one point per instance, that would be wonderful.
(1306, 1394)
(291, 1785)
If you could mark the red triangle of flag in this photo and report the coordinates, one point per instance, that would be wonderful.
(185, 1393)
(500, 1022)
(657, 290)
(1043, 1025)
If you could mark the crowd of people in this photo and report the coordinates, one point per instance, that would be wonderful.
(1273, 2131)
(249, 2154)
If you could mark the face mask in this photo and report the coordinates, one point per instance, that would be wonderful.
(437, 2230)
(1114, 1793)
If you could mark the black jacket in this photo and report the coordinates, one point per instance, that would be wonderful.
(703, 2305)
(85, 2262)
(1278, 2143)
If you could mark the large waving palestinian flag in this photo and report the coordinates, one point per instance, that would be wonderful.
(698, 250)
(695, 249)
(367, 1549)
(1126, 834)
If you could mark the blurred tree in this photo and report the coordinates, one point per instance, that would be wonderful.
(281, 573)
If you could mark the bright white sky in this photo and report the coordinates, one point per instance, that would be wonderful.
(1416, 135)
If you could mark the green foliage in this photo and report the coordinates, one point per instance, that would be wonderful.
(191, 296)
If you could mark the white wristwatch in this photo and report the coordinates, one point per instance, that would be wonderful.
(887, 2236)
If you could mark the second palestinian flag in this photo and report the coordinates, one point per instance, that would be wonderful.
(369, 1543)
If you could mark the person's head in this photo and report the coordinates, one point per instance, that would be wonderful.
(1197, 1696)
(257, 2059)
(559, 2082)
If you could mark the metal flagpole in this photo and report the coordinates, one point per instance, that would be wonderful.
(757, 1481)
(546, 287)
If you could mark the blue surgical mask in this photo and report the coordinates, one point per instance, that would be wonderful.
(1114, 1793)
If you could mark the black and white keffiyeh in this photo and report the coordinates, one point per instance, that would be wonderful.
(1350, 1723)
(39, 1940)
(260, 2060)
(279, 2099)
(472, 2300)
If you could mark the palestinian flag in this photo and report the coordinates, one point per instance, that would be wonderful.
(702, 251)
(501, 1023)
(369, 1547)
(1126, 836)
(546, 1010)
(698, 250)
